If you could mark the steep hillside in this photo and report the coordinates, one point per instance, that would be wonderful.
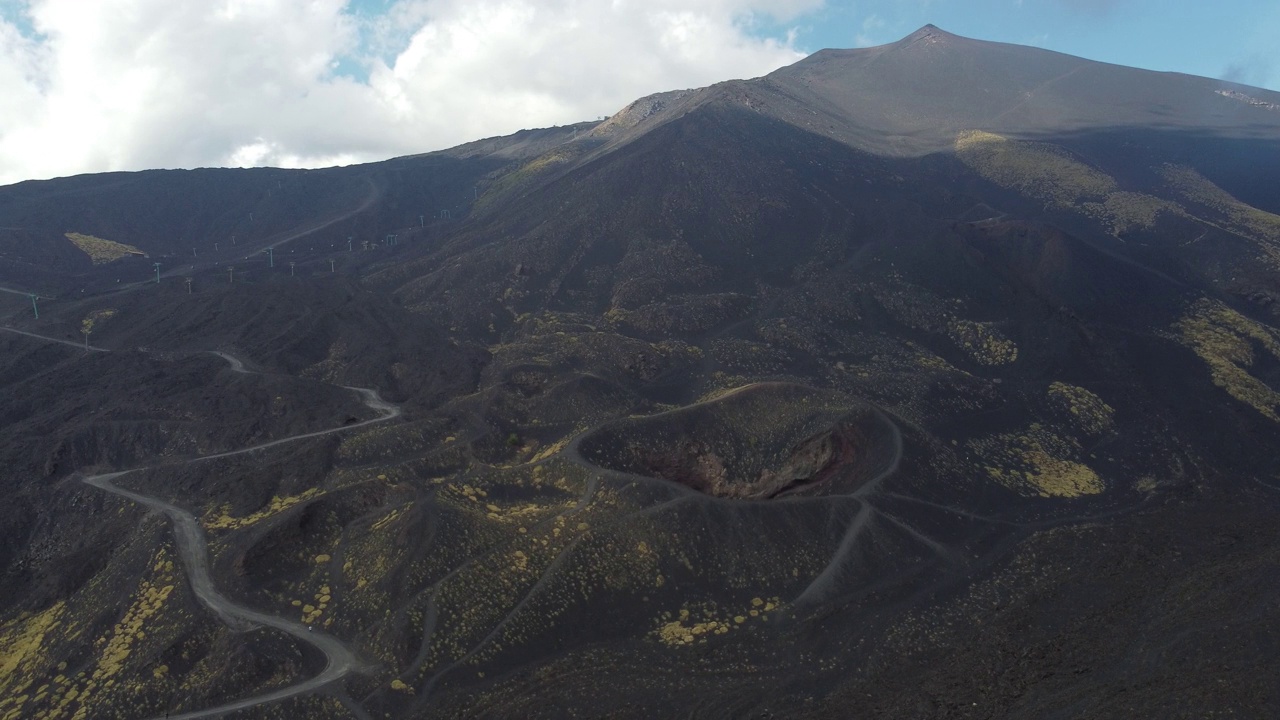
(210, 218)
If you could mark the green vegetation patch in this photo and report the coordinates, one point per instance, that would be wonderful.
(1049, 173)
(100, 250)
(682, 314)
(221, 519)
(1245, 218)
(1087, 411)
(91, 320)
(1037, 462)
(696, 625)
(1126, 211)
(21, 653)
(1226, 341)
(1040, 170)
(982, 342)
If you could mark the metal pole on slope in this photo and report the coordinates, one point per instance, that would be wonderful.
(157, 265)
(34, 307)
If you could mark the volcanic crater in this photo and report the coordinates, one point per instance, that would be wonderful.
(758, 442)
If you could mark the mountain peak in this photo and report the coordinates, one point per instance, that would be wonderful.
(930, 32)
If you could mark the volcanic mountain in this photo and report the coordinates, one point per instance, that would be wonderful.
(936, 379)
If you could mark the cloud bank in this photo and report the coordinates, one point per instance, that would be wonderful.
(132, 84)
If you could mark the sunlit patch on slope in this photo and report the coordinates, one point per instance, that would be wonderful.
(1040, 170)
(221, 519)
(100, 250)
(1038, 462)
(1257, 223)
(1090, 413)
(1229, 343)
(1049, 173)
(22, 641)
(1241, 218)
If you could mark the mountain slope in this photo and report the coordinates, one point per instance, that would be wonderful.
(937, 379)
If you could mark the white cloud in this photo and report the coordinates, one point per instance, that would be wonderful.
(129, 84)
(871, 27)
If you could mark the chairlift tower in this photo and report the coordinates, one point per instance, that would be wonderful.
(35, 308)
(291, 264)
(188, 285)
(157, 266)
(271, 257)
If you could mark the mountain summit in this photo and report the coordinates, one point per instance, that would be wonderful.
(911, 97)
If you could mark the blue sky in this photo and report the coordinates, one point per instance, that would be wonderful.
(97, 85)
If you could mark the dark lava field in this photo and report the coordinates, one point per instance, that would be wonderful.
(933, 380)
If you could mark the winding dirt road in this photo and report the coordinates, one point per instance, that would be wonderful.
(23, 293)
(82, 346)
(193, 551)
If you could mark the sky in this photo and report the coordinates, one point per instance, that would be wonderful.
(100, 85)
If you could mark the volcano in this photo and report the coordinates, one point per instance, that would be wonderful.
(938, 379)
